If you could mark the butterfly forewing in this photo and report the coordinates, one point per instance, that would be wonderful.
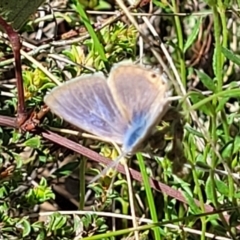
(87, 103)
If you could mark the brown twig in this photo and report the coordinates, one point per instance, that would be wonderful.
(16, 46)
(57, 139)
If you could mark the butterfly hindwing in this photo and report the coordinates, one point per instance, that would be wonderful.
(142, 97)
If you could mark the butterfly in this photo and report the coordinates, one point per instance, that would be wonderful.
(125, 108)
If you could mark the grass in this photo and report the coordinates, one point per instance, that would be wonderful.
(186, 187)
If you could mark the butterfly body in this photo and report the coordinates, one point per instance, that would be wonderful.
(124, 109)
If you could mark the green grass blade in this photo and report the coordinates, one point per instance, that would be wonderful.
(149, 194)
(98, 47)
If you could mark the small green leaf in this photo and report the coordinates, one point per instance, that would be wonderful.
(236, 144)
(237, 195)
(59, 221)
(47, 86)
(41, 235)
(66, 169)
(209, 190)
(222, 187)
(77, 223)
(191, 203)
(231, 56)
(89, 4)
(202, 164)
(193, 131)
(221, 105)
(34, 142)
(26, 227)
(207, 108)
(206, 80)
(227, 150)
(193, 35)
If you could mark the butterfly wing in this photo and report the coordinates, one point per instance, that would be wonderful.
(142, 97)
(87, 103)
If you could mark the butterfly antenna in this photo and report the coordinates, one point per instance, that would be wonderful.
(113, 164)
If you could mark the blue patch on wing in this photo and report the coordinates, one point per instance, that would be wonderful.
(137, 130)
